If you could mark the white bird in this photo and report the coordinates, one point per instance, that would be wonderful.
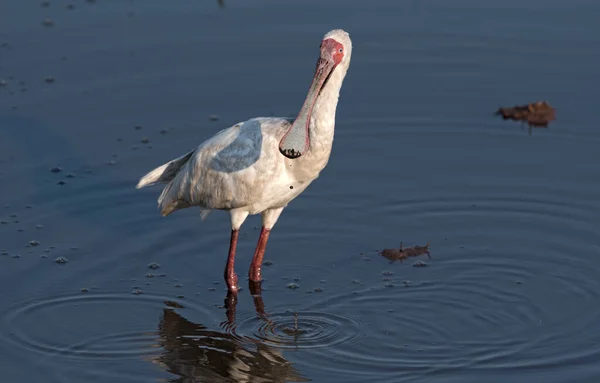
(260, 165)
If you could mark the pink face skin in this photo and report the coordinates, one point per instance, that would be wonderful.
(333, 49)
(296, 141)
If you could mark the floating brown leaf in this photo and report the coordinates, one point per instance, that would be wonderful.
(539, 113)
(405, 252)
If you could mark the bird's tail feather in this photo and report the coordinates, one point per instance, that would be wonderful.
(164, 173)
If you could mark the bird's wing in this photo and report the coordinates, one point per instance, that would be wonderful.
(232, 168)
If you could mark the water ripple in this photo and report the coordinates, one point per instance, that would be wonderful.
(69, 328)
(309, 330)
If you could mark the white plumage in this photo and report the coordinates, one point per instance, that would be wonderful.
(242, 169)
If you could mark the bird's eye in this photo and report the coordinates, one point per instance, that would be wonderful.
(341, 50)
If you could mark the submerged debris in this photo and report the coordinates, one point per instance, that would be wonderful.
(293, 331)
(538, 113)
(403, 253)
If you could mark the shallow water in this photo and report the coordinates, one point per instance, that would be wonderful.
(114, 88)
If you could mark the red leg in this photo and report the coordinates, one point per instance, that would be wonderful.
(230, 276)
(255, 267)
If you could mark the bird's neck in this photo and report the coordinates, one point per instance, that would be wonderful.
(322, 122)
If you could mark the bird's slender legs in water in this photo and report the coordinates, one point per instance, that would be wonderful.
(255, 268)
(230, 276)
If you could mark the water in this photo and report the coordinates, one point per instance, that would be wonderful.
(109, 89)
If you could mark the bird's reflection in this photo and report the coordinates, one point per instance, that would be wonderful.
(197, 354)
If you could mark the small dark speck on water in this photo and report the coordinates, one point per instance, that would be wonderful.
(407, 283)
(4, 253)
(136, 292)
(154, 266)
(43, 256)
(420, 264)
(61, 260)
(112, 162)
(45, 3)
(387, 273)
(4, 222)
(16, 256)
(70, 175)
(49, 80)
(33, 243)
(164, 131)
(3, 82)
(318, 290)
(389, 284)
(48, 22)
(39, 226)
(56, 169)
(84, 290)
(20, 230)
(61, 182)
(293, 286)
(137, 127)
(213, 117)
(268, 263)
(145, 140)
(179, 285)
(212, 289)
(70, 6)
(150, 275)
